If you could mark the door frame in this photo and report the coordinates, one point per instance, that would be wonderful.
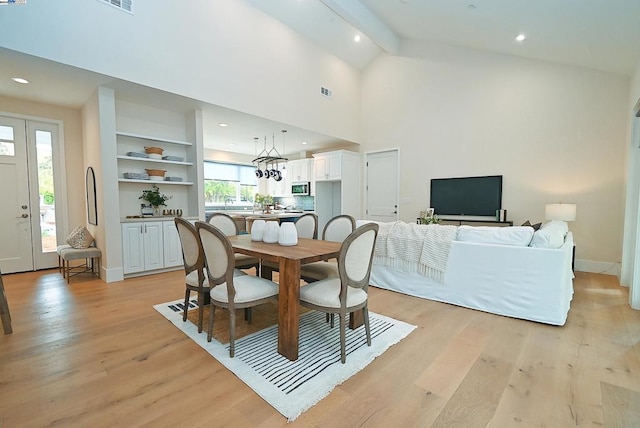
(60, 183)
(366, 178)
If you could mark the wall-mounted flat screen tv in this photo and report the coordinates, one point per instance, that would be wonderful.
(473, 196)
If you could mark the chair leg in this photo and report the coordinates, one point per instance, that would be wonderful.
(67, 268)
(187, 293)
(200, 310)
(232, 332)
(212, 314)
(365, 315)
(343, 339)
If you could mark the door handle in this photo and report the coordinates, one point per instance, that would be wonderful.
(24, 216)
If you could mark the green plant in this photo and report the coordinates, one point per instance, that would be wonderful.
(428, 217)
(154, 197)
(263, 199)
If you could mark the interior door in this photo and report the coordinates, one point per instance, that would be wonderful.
(16, 253)
(382, 186)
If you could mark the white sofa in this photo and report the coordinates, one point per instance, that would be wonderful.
(531, 283)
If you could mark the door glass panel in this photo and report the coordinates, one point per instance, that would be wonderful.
(6, 132)
(46, 191)
(7, 148)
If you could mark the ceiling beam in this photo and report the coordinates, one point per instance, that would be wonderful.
(358, 15)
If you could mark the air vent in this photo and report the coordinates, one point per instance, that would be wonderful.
(326, 92)
(126, 5)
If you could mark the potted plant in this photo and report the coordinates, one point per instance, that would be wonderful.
(428, 217)
(265, 201)
(155, 198)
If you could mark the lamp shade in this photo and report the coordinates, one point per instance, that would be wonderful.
(564, 212)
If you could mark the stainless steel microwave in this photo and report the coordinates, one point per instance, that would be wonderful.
(301, 188)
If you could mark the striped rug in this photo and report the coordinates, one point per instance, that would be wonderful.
(292, 387)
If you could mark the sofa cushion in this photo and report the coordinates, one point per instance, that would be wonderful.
(550, 235)
(515, 235)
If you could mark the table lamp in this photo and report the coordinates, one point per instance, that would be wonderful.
(560, 211)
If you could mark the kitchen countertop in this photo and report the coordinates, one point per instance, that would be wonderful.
(135, 219)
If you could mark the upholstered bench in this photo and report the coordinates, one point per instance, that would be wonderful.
(91, 257)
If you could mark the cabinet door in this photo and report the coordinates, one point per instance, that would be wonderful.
(334, 167)
(132, 247)
(153, 245)
(322, 168)
(172, 246)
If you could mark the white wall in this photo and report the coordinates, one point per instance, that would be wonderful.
(222, 52)
(556, 133)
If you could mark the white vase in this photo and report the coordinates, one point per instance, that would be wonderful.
(257, 230)
(288, 234)
(271, 232)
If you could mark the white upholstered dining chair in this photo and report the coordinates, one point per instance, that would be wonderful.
(337, 229)
(228, 226)
(226, 290)
(307, 226)
(349, 291)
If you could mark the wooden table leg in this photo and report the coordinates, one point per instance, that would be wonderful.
(288, 308)
(356, 319)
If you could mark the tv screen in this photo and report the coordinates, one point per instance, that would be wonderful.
(475, 196)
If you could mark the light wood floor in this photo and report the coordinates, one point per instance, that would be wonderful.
(92, 354)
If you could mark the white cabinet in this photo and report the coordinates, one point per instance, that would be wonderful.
(300, 170)
(338, 189)
(150, 245)
(172, 246)
(328, 166)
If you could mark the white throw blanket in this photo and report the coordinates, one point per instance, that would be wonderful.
(414, 247)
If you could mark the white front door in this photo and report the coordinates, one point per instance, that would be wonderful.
(382, 186)
(28, 219)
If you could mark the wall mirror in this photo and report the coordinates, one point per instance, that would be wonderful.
(92, 205)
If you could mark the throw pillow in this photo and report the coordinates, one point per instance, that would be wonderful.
(535, 226)
(550, 235)
(80, 238)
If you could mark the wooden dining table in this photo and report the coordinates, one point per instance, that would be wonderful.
(289, 259)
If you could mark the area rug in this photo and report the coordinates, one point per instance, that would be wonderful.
(291, 387)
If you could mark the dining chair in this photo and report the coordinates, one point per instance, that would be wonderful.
(348, 292)
(229, 227)
(226, 290)
(337, 229)
(307, 226)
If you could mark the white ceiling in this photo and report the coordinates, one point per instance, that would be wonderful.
(598, 34)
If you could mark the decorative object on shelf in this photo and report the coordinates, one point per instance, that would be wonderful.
(501, 215)
(154, 152)
(271, 159)
(288, 234)
(271, 232)
(560, 211)
(155, 199)
(257, 230)
(156, 174)
(428, 217)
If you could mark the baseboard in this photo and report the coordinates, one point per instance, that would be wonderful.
(111, 275)
(605, 268)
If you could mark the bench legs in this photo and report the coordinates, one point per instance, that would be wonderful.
(91, 265)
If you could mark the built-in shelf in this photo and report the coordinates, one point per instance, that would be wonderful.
(134, 158)
(182, 183)
(154, 139)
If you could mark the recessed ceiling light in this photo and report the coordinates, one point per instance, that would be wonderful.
(520, 37)
(20, 80)
(304, 143)
(223, 125)
(357, 38)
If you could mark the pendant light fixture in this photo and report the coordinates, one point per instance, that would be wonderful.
(270, 158)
